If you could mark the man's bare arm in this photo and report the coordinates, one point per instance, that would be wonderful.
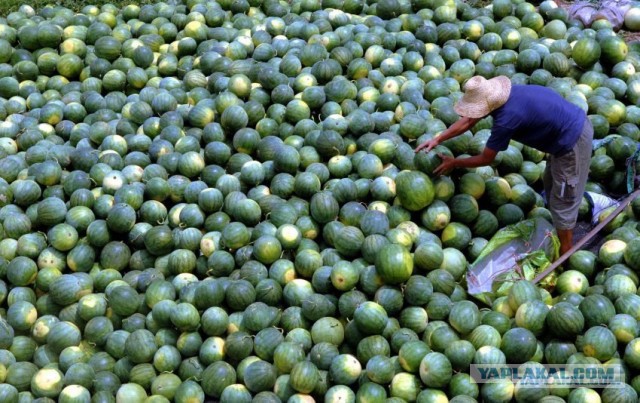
(460, 126)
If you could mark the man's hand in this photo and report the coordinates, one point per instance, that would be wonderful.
(427, 145)
(448, 163)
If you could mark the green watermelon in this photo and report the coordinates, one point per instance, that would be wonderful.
(394, 264)
(414, 189)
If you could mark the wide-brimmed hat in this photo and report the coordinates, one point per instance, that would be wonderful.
(482, 96)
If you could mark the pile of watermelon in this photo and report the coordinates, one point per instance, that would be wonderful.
(220, 201)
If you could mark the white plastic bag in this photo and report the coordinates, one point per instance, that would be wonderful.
(598, 203)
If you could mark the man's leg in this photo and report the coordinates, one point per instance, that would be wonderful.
(547, 182)
(564, 235)
(566, 240)
(563, 197)
(569, 176)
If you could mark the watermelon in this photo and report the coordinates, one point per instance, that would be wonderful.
(532, 315)
(435, 370)
(497, 191)
(583, 261)
(394, 264)
(614, 50)
(622, 393)
(461, 354)
(623, 327)
(338, 393)
(572, 281)
(502, 390)
(464, 317)
(463, 385)
(371, 392)
(456, 235)
(618, 285)
(345, 369)
(304, 377)
(405, 386)
(370, 318)
(437, 216)
(414, 189)
(380, 369)
(519, 345)
(565, 320)
(586, 52)
(327, 330)
(597, 310)
(599, 342)
(521, 292)
(260, 376)
(558, 352)
(323, 207)
(411, 354)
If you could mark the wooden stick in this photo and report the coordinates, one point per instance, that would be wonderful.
(587, 237)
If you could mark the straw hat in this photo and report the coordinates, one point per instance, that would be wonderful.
(482, 96)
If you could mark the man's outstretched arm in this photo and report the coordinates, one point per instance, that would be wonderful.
(460, 126)
(449, 163)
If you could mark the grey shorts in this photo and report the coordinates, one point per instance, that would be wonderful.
(565, 178)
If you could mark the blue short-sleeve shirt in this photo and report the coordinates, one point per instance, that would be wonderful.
(538, 117)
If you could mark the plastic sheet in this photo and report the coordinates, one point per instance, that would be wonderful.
(518, 251)
(599, 203)
(612, 10)
(632, 177)
(583, 11)
(522, 251)
(598, 143)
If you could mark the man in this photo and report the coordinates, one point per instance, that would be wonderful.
(537, 117)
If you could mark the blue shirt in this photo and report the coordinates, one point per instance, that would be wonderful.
(538, 117)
